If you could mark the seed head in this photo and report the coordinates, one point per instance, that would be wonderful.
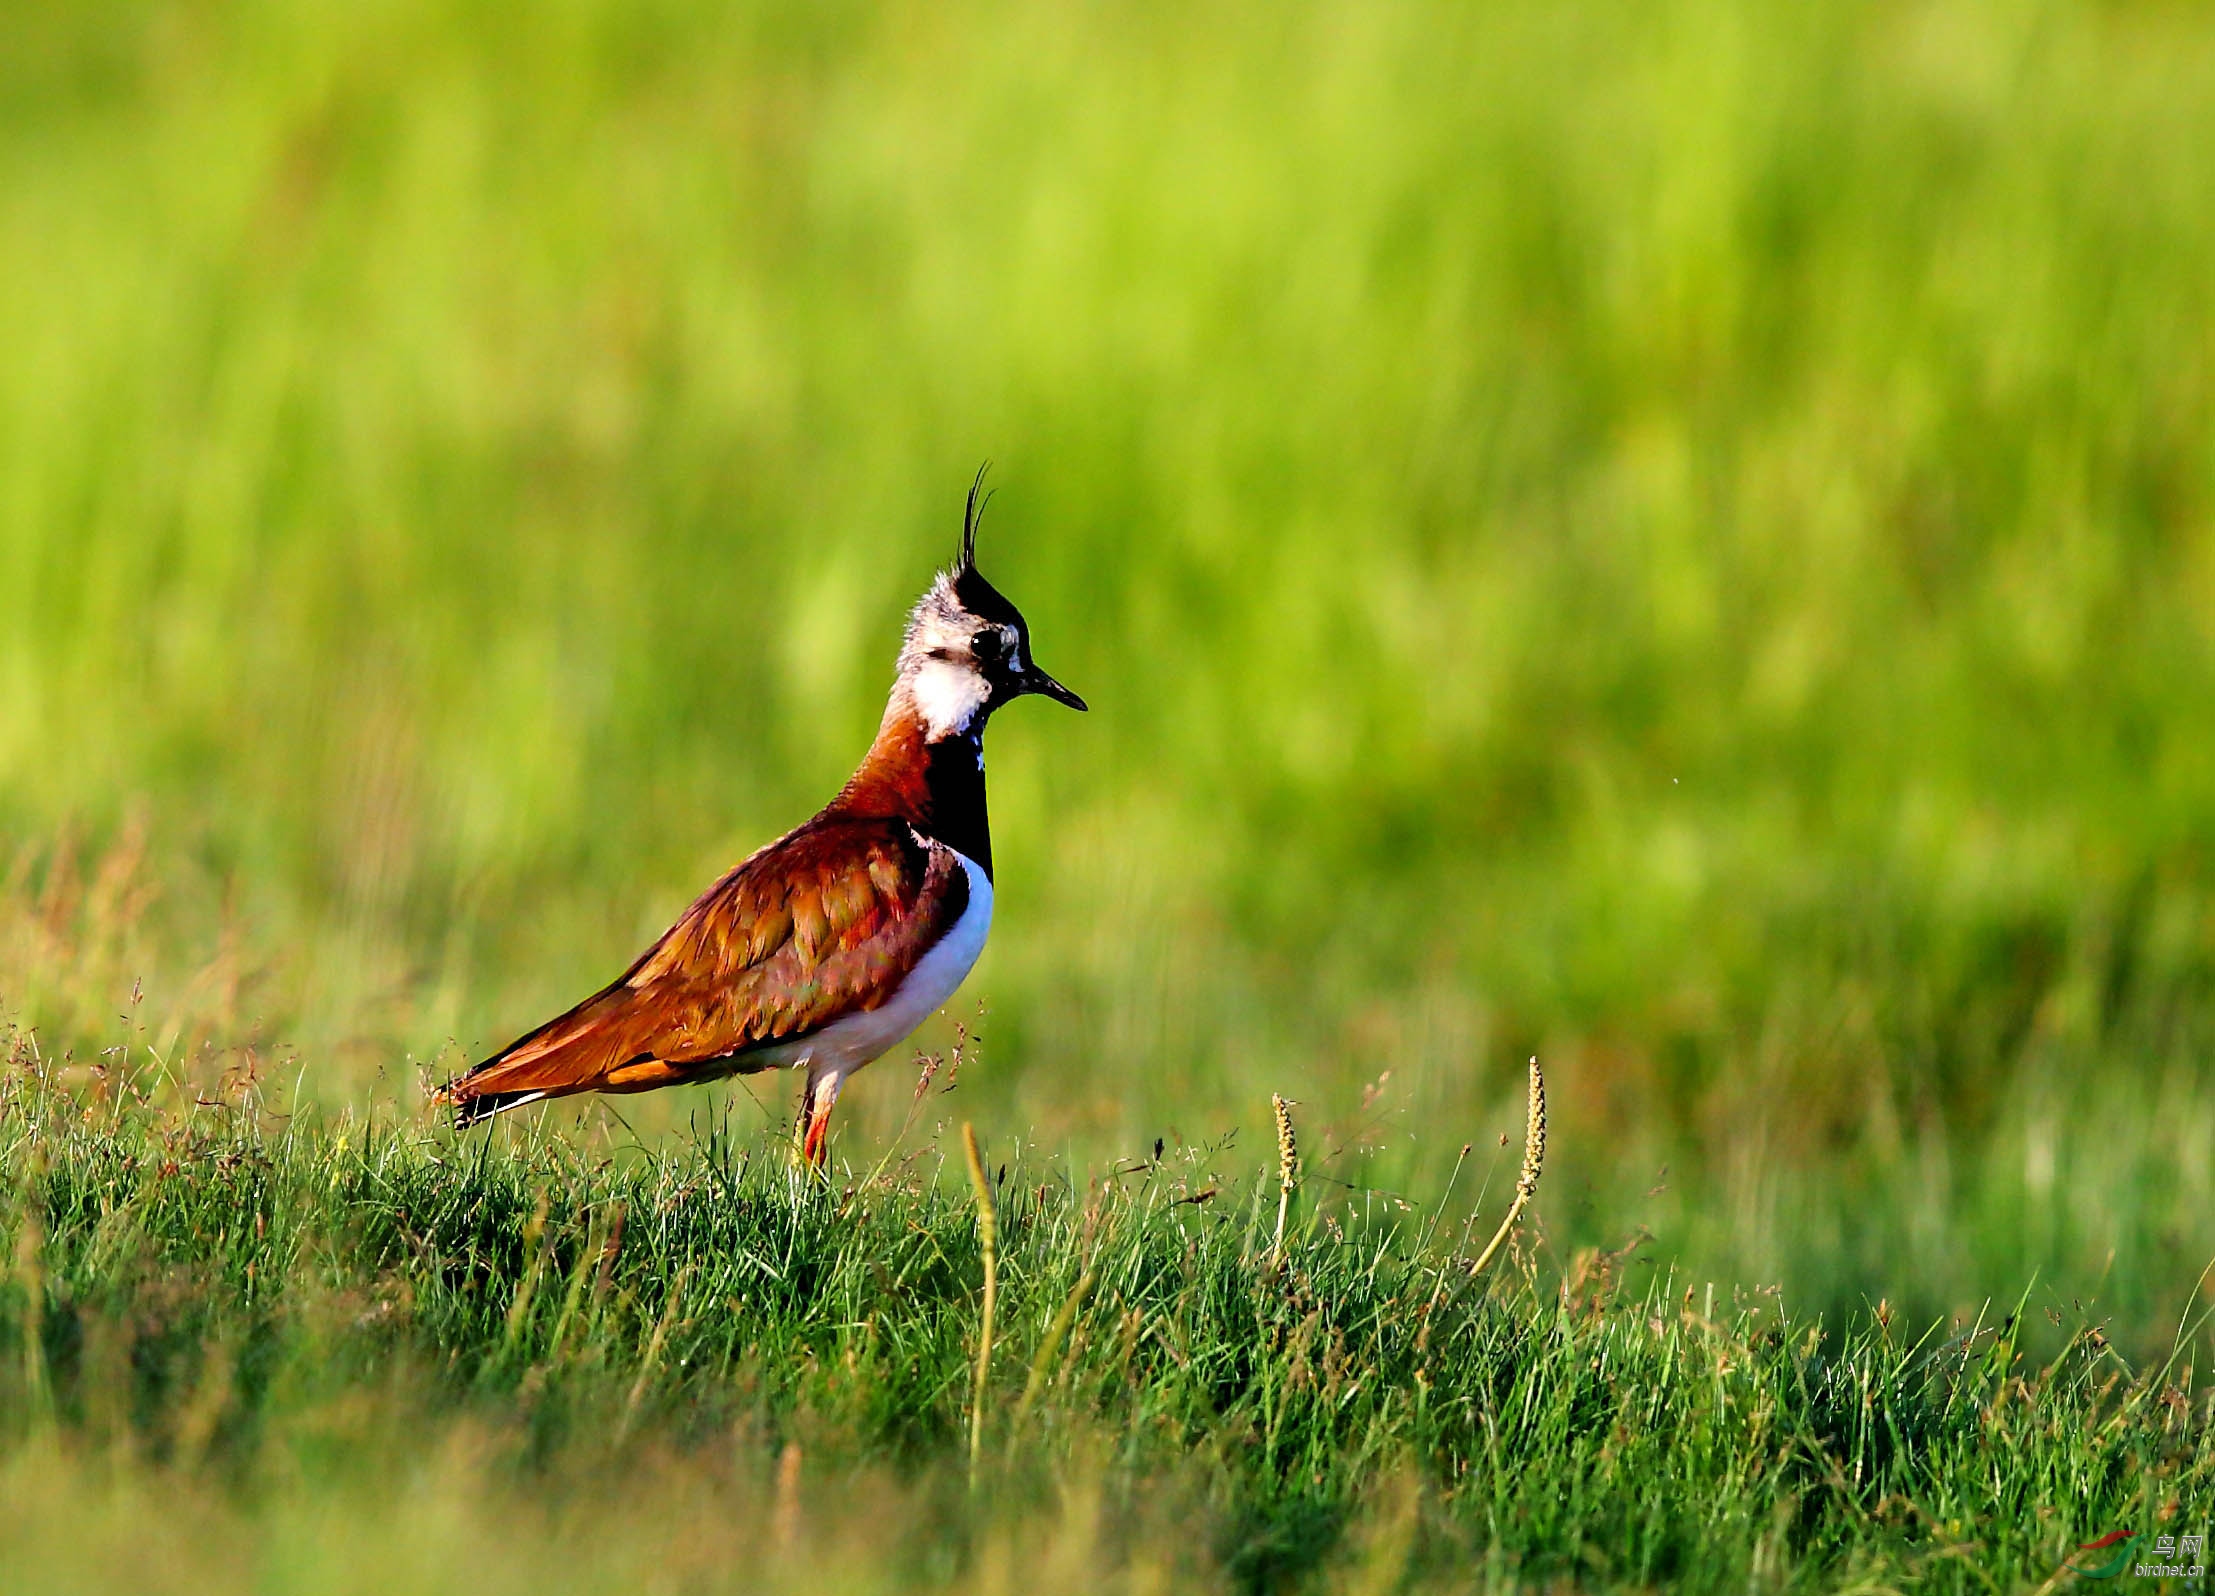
(1288, 1148)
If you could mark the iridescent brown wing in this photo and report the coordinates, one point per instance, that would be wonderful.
(823, 924)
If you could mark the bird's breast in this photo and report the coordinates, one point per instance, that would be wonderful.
(855, 1040)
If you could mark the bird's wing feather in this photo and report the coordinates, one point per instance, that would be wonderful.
(823, 924)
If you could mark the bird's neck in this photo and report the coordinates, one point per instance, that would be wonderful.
(935, 786)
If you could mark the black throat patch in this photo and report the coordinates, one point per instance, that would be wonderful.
(954, 772)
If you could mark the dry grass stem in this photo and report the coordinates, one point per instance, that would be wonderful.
(1534, 1161)
(1042, 1365)
(988, 1235)
(786, 1522)
(30, 1279)
(654, 1344)
(1288, 1170)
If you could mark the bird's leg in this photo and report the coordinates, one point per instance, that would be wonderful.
(815, 1129)
(812, 1131)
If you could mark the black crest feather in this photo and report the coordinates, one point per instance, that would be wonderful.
(971, 514)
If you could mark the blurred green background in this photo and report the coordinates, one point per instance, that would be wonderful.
(1675, 537)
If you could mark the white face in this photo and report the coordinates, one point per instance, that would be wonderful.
(949, 694)
(939, 668)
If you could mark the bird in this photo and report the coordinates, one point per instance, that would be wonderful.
(828, 947)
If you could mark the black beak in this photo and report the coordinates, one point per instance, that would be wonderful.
(1035, 680)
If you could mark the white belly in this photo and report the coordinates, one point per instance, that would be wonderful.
(846, 1045)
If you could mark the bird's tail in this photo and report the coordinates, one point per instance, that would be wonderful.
(472, 1108)
(575, 1052)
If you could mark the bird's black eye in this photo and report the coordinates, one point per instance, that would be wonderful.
(988, 645)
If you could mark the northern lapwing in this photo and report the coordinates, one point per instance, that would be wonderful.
(829, 946)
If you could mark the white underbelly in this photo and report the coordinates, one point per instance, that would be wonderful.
(845, 1045)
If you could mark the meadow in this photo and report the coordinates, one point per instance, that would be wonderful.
(1678, 539)
(351, 1356)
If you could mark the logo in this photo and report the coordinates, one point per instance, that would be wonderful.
(2173, 1557)
(2114, 1565)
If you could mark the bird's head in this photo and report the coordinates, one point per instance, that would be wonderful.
(967, 649)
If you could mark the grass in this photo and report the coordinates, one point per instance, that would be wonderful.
(1675, 538)
(496, 1363)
